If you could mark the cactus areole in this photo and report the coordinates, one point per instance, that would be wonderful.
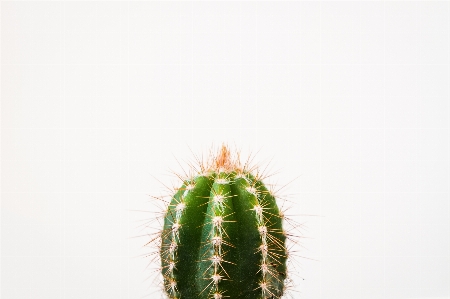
(223, 236)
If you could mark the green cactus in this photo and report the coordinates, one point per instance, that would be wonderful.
(223, 235)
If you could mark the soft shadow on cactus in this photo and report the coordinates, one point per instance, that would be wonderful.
(223, 234)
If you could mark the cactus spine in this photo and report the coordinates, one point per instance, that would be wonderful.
(223, 236)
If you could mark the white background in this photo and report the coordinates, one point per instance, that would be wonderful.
(98, 98)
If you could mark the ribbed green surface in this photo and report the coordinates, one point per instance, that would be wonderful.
(223, 238)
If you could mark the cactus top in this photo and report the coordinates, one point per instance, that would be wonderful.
(223, 236)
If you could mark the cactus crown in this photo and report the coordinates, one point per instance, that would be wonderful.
(223, 235)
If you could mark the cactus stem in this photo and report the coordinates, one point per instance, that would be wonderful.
(223, 233)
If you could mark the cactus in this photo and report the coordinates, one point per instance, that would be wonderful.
(223, 235)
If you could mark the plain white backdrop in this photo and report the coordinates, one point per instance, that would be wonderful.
(99, 99)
